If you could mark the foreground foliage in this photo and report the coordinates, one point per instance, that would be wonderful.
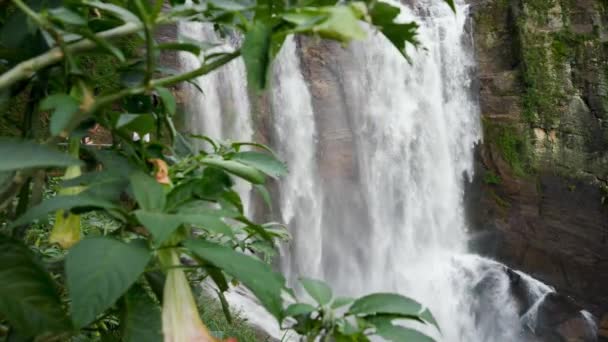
(176, 218)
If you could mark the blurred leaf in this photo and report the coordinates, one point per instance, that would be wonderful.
(341, 301)
(140, 123)
(53, 204)
(317, 289)
(148, 192)
(67, 16)
(99, 270)
(65, 107)
(168, 99)
(213, 224)
(264, 193)
(385, 303)
(246, 172)
(23, 154)
(451, 4)
(230, 5)
(266, 284)
(263, 162)
(428, 317)
(28, 295)
(142, 317)
(298, 309)
(256, 54)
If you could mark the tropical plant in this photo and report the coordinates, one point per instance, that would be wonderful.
(177, 218)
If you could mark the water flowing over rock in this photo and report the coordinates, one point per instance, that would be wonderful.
(379, 152)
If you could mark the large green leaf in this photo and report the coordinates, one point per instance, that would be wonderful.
(385, 303)
(211, 223)
(53, 204)
(239, 169)
(23, 154)
(100, 270)
(159, 224)
(148, 192)
(264, 162)
(340, 22)
(142, 317)
(256, 54)
(318, 290)
(28, 297)
(383, 15)
(266, 284)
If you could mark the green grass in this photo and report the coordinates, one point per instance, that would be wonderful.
(213, 316)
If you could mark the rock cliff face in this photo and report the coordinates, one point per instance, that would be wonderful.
(540, 201)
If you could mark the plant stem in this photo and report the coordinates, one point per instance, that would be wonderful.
(27, 68)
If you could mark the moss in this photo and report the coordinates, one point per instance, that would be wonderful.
(491, 178)
(513, 146)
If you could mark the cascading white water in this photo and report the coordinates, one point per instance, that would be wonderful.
(414, 128)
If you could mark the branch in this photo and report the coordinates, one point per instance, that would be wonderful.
(165, 81)
(28, 68)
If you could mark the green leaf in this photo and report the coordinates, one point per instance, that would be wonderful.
(390, 332)
(53, 204)
(159, 224)
(142, 317)
(256, 54)
(22, 154)
(298, 309)
(266, 284)
(67, 16)
(229, 5)
(385, 303)
(28, 296)
(246, 172)
(117, 11)
(64, 106)
(168, 99)
(341, 301)
(383, 15)
(318, 290)
(99, 270)
(148, 192)
(262, 161)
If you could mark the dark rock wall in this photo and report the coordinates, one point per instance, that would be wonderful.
(540, 201)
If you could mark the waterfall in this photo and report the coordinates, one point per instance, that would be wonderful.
(219, 105)
(398, 225)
